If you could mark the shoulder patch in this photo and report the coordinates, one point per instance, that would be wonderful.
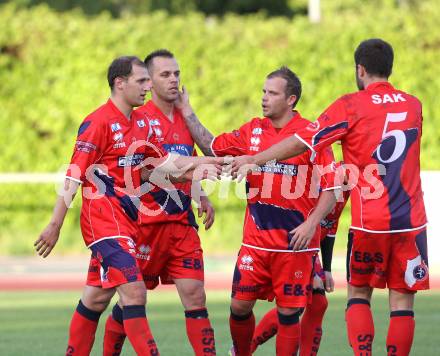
(83, 127)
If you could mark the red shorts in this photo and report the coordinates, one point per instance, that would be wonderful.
(285, 276)
(105, 217)
(113, 262)
(394, 260)
(169, 251)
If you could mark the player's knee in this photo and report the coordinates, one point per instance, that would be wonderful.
(401, 300)
(241, 307)
(97, 301)
(194, 297)
(133, 294)
(360, 292)
(289, 311)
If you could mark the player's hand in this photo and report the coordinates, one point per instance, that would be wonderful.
(207, 209)
(47, 240)
(210, 171)
(241, 166)
(317, 282)
(302, 235)
(182, 102)
(329, 282)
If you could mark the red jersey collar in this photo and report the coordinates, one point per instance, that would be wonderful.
(151, 108)
(114, 109)
(375, 85)
(294, 120)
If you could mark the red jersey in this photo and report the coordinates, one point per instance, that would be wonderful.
(280, 195)
(104, 161)
(380, 129)
(174, 137)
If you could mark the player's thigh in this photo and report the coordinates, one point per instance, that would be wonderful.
(291, 278)
(368, 259)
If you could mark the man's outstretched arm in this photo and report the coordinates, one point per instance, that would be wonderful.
(49, 236)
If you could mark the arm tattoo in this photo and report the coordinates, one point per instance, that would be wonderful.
(200, 134)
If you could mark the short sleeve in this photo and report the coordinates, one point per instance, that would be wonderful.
(231, 143)
(330, 126)
(325, 162)
(89, 148)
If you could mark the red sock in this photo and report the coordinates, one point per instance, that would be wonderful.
(400, 333)
(138, 331)
(242, 328)
(288, 336)
(311, 324)
(266, 328)
(360, 326)
(114, 335)
(199, 331)
(82, 331)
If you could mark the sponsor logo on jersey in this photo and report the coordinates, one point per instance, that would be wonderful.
(157, 131)
(119, 145)
(278, 168)
(255, 141)
(118, 136)
(181, 149)
(257, 131)
(132, 160)
(144, 252)
(115, 127)
(154, 122)
(84, 146)
(246, 263)
(141, 123)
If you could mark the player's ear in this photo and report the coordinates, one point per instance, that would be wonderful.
(361, 71)
(119, 82)
(291, 100)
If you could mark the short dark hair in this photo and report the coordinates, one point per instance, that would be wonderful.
(157, 53)
(122, 67)
(376, 56)
(293, 84)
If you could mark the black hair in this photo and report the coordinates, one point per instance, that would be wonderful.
(122, 67)
(157, 53)
(376, 56)
(293, 84)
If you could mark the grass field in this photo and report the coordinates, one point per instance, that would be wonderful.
(36, 323)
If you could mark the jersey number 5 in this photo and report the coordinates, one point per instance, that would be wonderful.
(399, 137)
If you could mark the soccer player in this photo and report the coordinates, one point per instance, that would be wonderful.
(103, 158)
(380, 128)
(279, 244)
(168, 245)
(311, 320)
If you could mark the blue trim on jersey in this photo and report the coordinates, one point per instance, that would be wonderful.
(399, 203)
(325, 131)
